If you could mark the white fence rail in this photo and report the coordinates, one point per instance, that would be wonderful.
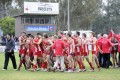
(2, 49)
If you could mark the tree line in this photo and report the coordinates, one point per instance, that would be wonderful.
(96, 15)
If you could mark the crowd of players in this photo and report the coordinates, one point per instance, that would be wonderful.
(65, 52)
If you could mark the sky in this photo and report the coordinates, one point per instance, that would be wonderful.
(105, 2)
(14, 4)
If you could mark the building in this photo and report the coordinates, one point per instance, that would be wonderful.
(37, 17)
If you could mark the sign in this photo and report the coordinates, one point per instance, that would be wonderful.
(41, 8)
(40, 28)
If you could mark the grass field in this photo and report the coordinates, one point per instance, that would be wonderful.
(10, 74)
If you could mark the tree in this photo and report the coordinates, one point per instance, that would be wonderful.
(7, 24)
(82, 13)
(110, 18)
(4, 7)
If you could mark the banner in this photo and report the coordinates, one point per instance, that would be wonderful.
(41, 8)
(40, 28)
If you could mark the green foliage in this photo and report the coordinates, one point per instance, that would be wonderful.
(110, 19)
(84, 14)
(4, 6)
(7, 24)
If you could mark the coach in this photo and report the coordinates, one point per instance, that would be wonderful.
(9, 52)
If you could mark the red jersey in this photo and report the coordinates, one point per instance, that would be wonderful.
(41, 46)
(37, 46)
(77, 48)
(29, 44)
(94, 46)
(85, 46)
(81, 49)
(46, 45)
(22, 49)
(70, 46)
(66, 47)
(106, 45)
(22, 38)
(59, 47)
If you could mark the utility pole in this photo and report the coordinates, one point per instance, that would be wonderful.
(68, 16)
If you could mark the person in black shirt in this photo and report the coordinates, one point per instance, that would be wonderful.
(9, 53)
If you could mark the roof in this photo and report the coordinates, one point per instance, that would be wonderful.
(18, 15)
(31, 14)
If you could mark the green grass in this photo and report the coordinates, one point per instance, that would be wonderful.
(104, 74)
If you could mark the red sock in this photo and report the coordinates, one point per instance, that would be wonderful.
(91, 65)
(80, 65)
(74, 66)
(45, 65)
(66, 65)
(34, 66)
(83, 67)
(40, 65)
(21, 61)
(59, 64)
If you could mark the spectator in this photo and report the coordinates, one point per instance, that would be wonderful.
(9, 52)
